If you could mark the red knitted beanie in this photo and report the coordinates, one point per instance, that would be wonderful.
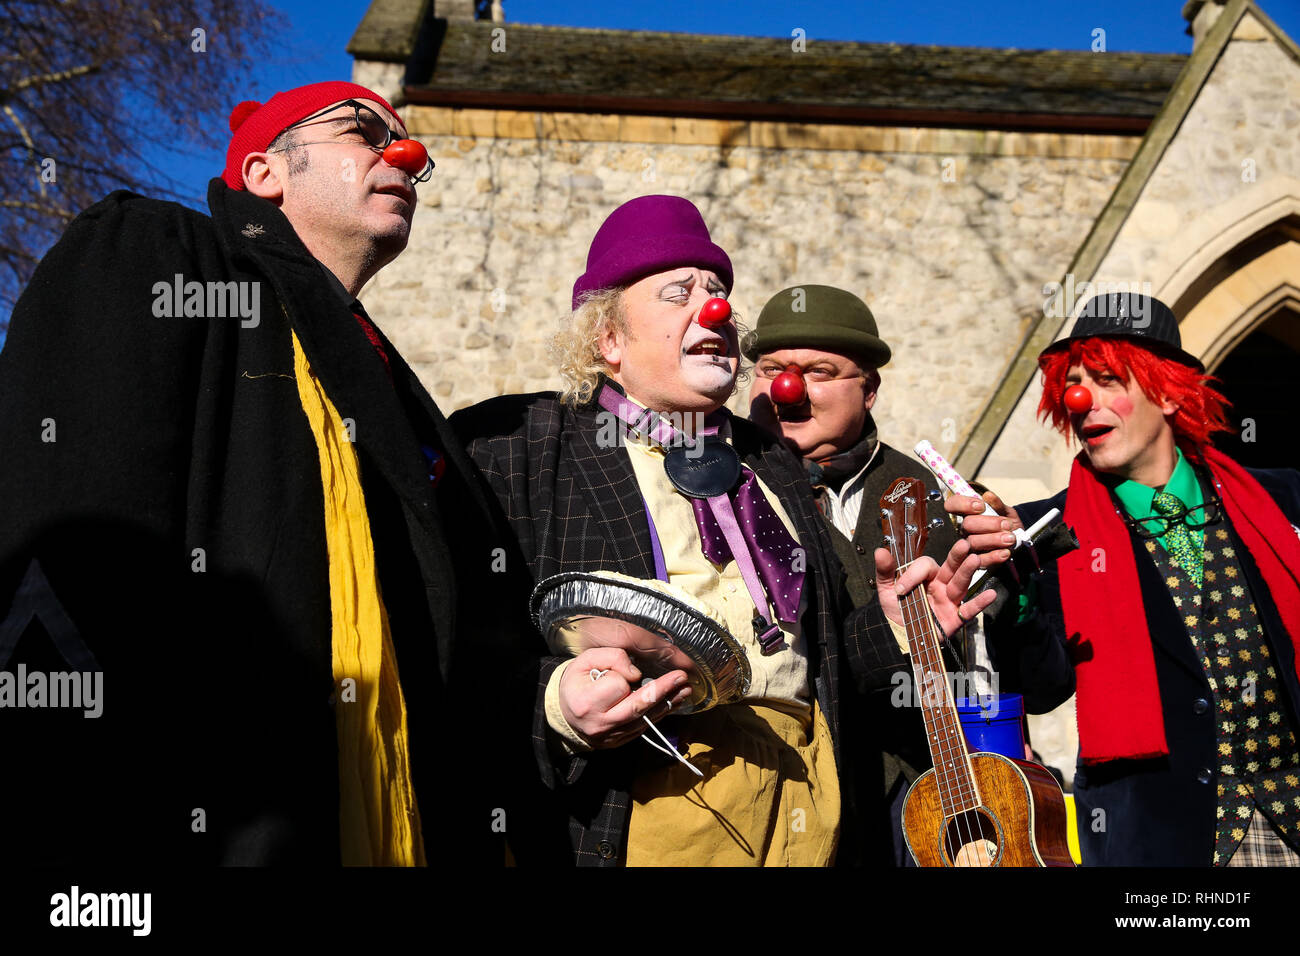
(255, 125)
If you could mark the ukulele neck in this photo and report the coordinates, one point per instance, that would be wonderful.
(956, 780)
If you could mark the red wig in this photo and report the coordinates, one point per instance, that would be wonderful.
(1201, 410)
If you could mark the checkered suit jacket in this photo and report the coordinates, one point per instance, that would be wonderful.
(575, 506)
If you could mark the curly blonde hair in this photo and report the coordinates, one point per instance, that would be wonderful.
(576, 346)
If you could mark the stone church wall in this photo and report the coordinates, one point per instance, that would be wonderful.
(949, 235)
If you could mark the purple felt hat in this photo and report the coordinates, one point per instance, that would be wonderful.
(648, 235)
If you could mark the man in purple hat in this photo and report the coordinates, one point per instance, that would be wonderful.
(230, 504)
(634, 473)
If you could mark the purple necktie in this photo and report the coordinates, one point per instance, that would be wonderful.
(771, 546)
(768, 566)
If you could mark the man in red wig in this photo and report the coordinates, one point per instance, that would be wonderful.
(1176, 621)
(229, 506)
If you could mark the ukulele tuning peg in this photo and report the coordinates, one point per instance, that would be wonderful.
(936, 523)
(935, 494)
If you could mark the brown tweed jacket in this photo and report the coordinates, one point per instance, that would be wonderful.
(575, 506)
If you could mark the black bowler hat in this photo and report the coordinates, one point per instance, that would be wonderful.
(1142, 318)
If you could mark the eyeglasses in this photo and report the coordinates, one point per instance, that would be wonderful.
(1199, 517)
(764, 370)
(377, 134)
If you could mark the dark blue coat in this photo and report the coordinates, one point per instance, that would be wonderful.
(1161, 811)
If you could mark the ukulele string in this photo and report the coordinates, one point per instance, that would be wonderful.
(970, 820)
(909, 624)
(908, 608)
(953, 749)
(916, 613)
(970, 790)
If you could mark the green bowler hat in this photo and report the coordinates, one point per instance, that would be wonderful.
(817, 317)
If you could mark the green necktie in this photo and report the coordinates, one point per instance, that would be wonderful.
(1178, 539)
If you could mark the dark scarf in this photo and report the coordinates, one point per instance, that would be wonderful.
(1118, 709)
(833, 470)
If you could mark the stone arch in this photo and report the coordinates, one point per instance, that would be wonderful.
(1214, 232)
(1253, 282)
(1241, 316)
(1257, 375)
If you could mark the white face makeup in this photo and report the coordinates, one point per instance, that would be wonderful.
(667, 359)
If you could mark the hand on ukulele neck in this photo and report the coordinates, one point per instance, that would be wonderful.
(945, 586)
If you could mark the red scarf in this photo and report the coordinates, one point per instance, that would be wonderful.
(1118, 702)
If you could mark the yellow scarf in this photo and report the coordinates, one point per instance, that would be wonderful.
(379, 822)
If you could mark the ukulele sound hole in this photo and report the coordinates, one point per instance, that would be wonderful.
(971, 839)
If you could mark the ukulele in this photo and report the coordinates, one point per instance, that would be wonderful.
(971, 809)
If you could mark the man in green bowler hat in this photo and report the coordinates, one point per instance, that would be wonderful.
(817, 354)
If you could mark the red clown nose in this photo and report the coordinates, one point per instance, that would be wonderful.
(714, 313)
(788, 387)
(1078, 399)
(407, 155)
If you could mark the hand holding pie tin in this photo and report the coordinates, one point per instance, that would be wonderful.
(661, 627)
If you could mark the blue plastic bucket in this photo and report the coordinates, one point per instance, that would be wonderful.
(994, 724)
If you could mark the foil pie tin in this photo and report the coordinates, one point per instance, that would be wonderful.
(576, 611)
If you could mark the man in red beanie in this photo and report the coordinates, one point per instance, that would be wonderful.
(231, 505)
(635, 485)
(1176, 622)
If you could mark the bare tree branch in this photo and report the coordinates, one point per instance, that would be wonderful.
(45, 208)
(100, 95)
(45, 78)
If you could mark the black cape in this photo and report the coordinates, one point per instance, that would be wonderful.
(160, 477)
